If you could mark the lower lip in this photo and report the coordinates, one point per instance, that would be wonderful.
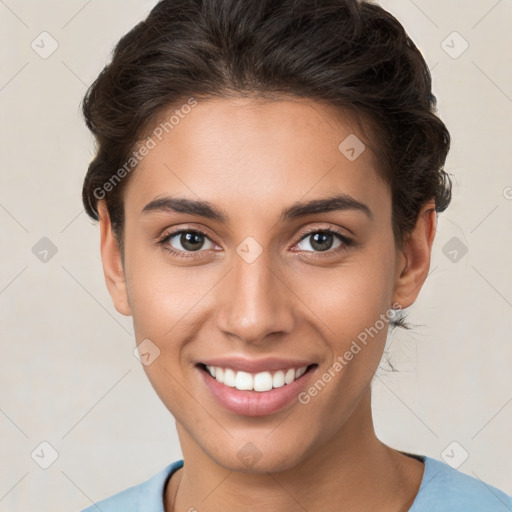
(255, 403)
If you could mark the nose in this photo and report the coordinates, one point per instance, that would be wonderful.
(254, 301)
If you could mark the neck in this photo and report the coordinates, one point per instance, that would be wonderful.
(352, 470)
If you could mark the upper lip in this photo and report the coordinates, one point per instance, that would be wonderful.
(266, 364)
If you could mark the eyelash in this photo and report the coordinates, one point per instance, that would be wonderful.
(346, 242)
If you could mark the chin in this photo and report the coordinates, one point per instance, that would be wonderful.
(256, 460)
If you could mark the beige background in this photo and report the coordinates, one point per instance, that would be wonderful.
(69, 376)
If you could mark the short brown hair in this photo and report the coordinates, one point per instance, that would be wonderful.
(350, 54)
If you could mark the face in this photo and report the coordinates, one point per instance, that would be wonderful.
(244, 279)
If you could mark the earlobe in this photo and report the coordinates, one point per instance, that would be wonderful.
(112, 263)
(413, 262)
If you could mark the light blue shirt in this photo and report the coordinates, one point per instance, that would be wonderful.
(442, 489)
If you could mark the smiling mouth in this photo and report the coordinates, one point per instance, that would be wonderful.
(257, 382)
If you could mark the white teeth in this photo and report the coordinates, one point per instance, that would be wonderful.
(229, 377)
(290, 376)
(244, 381)
(263, 381)
(278, 379)
(299, 372)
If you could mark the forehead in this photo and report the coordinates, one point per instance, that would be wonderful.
(259, 154)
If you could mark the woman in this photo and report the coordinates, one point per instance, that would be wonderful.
(267, 181)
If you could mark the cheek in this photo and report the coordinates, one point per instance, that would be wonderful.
(164, 305)
(353, 309)
(347, 298)
(352, 297)
(352, 305)
(161, 295)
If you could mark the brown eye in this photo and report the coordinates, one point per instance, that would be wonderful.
(191, 241)
(186, 241)
(322, 240)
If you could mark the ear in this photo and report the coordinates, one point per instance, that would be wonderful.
(413, 262)
(112, 263)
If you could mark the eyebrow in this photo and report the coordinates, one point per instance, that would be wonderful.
(338, 202)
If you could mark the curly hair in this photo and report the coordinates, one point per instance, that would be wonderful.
(352, 55)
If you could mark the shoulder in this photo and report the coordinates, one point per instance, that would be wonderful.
(446, 489)
(145, 496)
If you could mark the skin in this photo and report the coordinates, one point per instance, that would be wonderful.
(253, 159)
